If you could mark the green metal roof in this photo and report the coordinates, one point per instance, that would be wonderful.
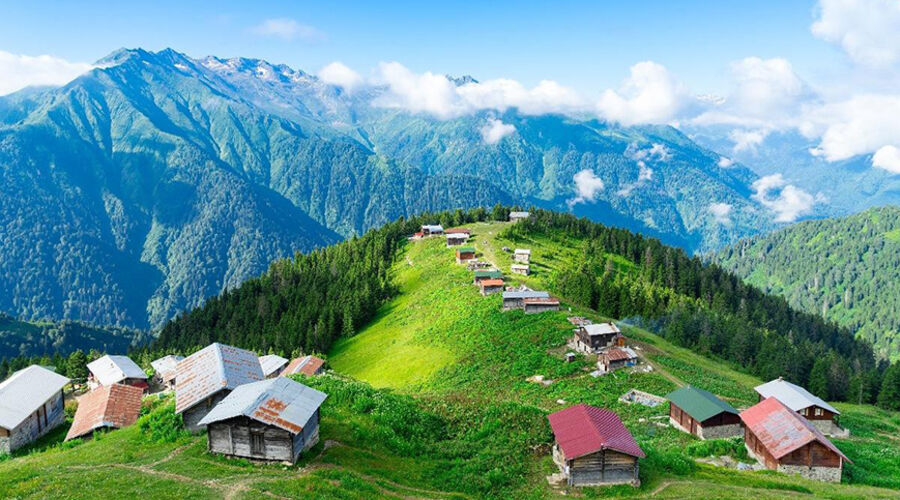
(698, 403)
(465, 249)
(488, 274)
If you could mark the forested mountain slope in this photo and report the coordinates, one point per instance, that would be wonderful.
(19, 338)
(847, 270)
(156, 180)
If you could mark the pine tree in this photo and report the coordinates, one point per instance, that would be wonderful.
(889, 397)
(818, 378)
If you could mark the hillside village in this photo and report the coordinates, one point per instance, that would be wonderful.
(267, 408)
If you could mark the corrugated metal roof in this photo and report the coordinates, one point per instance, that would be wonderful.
(518, 214)
(436, 228)
(491, 282)
(110, 370)
(583, 429)
(114, 405)
(271, 363)
(25, 391)
(458, 230)
(698, 403)
(211, 369)
(465, 250)
(457, 236)
(280, 402)
(794, 396)
(601, 328)
(541, 300)
(524, 251)
(620, 353)
(782, 430)
(166, 365)
(488, 274)
(526, 295)
(307, 365)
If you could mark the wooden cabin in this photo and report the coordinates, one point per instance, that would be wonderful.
(31, 405)
(522, 269)
(164, 370)
(593, 338)
(536, 305)
(273, 420)
(517, 216)
(813, 408)
(431, 230)
(490, 286)
(456, 239)
(487, 275)
(780, 439)
(522, 255)
(592, 447)
(110, 370)
(516, 300)
(465, 254)
(108, 407)
(615, 358)
(306, 365)
(272, 365)
(206, 377)
(702, 414)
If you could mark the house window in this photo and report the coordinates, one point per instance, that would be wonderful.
(257, 443)
(818, 412)
(803, 412)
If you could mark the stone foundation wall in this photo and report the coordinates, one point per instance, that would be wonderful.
(4, 446)
(829, 474)
(721, 431)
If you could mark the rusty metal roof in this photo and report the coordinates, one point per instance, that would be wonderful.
(212, 369)
(281, 402)
(307, 365)
(618, 354)
(110, 370)
(491, 282)
(782, 430)
(458, 230)
(271, 364)
(583, 429)
(114, 406)
(25, 391)
(540, 300)
(165, 366)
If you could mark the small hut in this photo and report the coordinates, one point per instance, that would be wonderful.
(456, 239)
(592, 447)
(487, 275)
(431, 230)
(164, 370)
(31, 405)
(780, 439)
(615, 358)
(518, 216)
(465, 254)
(490, 286)
(702, 414)
(206, 377)
(273, 420)
(522, 255)
(536, 305)
(272, 365)
(522, 269)
(110, 370)
(811, 407)
(108, 407)
(306, 365)
(516, 300)
(593, 338)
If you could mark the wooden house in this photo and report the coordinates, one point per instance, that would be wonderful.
(273, 420)
(110, 370)
(206, 377)
(306, 365)
(516, 300)
(534, 305)
(164, 371)
(456, 239)
(272, 365)
(465, 254)
(593, 338)
(517, 216)
(490, 286)
(702, 414)
(108, 407)
(780, 439)
(615, 358)
(592, 447)
(31, 405)
(522, 269)
(431, 230)
(487, 275)
(522, 255)
(817, 411)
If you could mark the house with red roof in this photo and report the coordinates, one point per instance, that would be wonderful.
(592, 447)
(107, 407)
(780, 439)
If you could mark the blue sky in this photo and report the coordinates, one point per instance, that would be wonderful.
(585, 45)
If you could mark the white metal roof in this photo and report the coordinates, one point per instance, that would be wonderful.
(25, 391)
(436, 228)
(166, 364)
(110, 370)
(526, 295)
(280, 401)
(793, 396)
(451, 236)
(601, 329)
(518, 214)
(271, 363)
(523, 251)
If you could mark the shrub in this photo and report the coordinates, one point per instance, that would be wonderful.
(162, 425)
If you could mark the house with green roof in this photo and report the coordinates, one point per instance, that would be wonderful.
(703, 414)
(465, 254)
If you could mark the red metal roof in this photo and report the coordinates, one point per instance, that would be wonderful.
(307, 365)
(491, 282)
(615, 354)
(114, 406)
(782, 430)
(457, 230)
(583, 429)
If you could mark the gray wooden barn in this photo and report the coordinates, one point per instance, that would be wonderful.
(31, 405)
(275, 420)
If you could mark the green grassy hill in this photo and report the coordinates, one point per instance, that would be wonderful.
(431, 400)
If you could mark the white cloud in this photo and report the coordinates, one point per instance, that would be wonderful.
(787, 201)
(495, 130)
(19, 71)
(867, 30)
(888, 158)
(427, 92)
(724, 162)
(587, 187)
(337, 73)
(502, 94)
(649, 95)
(765, 88)
(747, 140)
(859, 125)
(721, 212)
(287, 29)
